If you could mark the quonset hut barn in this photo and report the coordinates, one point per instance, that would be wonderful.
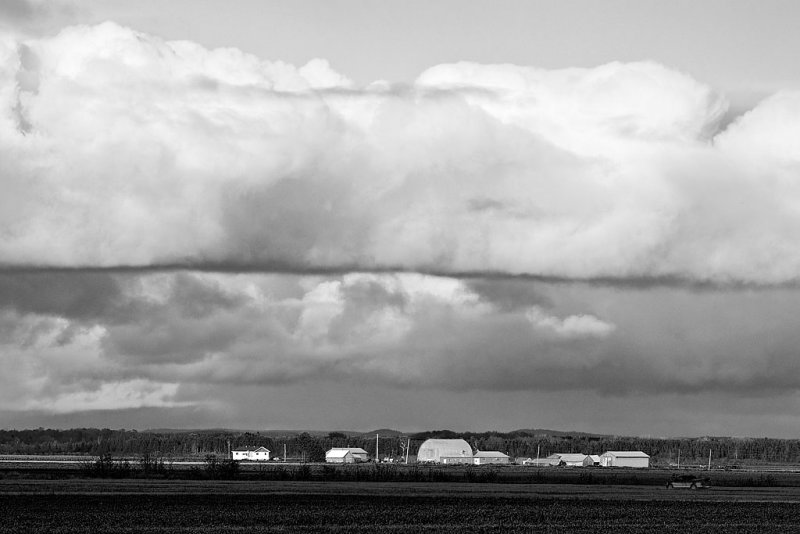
(445, 451)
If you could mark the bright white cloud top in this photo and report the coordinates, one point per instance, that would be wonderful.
(121, 149)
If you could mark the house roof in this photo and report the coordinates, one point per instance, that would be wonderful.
(627, 454)
(489, 454)
(251, 449)
(341, 452)
(594, 457)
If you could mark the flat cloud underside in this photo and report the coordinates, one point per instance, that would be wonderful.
(120, 149)
(144, 338)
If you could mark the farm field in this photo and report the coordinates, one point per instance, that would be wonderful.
(167, 506)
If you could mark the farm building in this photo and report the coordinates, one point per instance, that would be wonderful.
(591, 460)
(445, 451)
(541, 462)
(490, 457)
(624, 459)
(346, 455)
(258, 454)
(569, 459)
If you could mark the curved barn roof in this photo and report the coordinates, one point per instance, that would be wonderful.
(445, 448)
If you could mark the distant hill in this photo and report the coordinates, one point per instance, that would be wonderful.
(384, 433)
(557, 433)
(531, 432)
(192, 430)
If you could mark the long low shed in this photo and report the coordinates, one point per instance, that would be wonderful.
(624, 459)
(490, 457)
(569, 459)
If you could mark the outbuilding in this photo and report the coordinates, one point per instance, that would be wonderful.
(490, 457)
(569, 459)
(256, 454)
(541, 462)
(591, 460)
(625, 459)
(346, 455)
(445, 451)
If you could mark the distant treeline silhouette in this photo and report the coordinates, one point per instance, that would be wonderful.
(311, 448)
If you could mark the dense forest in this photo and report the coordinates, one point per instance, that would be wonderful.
(306, 447)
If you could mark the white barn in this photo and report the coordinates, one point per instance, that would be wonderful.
(445, 451)
(490, 457)
(256, 454)
(346, 455)
(624, 459)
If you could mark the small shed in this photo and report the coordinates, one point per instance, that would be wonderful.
(490, 457)
(591, 460)
(256, 454)
(625, 459)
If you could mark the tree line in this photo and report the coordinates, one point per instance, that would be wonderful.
(311, 448)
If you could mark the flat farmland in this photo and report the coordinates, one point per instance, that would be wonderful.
(167, 506)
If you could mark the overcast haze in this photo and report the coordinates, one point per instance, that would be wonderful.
(352, 214)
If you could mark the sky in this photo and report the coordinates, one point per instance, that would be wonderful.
(354, 214)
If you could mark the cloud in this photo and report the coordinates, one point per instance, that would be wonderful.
(122, 149)
(571, 326)
(110, 396)
(183, 333)
(36, 17)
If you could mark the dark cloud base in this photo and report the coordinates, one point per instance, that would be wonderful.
(279, 268)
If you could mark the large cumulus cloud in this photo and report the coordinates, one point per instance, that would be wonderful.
(120, 149)
(162, 339)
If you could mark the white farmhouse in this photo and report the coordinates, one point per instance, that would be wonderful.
(624, 459)
(445, 451)
(490, 457)
(256, 454)
(346, 455)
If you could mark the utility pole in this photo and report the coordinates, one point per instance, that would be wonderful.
(537, 455)
(284, 453)
(408, 446)
(709, 459)
(679, 457)
(376, 449)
